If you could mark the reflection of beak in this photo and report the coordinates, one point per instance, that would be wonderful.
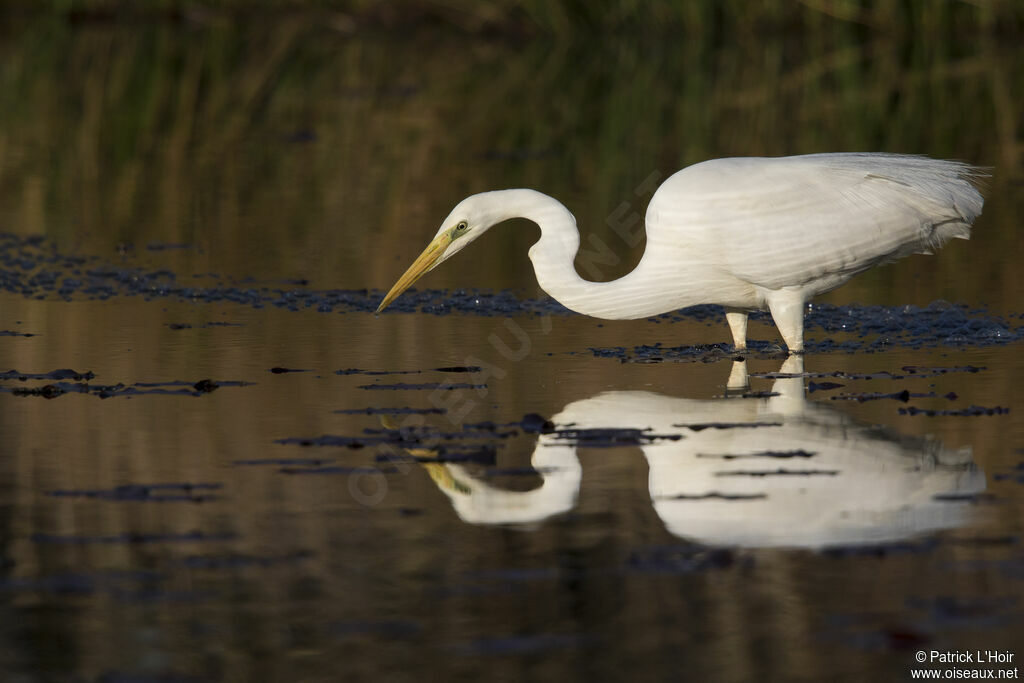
(439, 472)
(427, 260)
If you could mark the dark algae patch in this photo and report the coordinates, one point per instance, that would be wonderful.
(610, 437)
(970, 411)
(73, 382)
(714, 495)
(32, 267)
(423, 386)
(391, 411)
(701, 426)
(781, 472)
(783, 455)
(455, 368)
(903, 396)
(63, 374)
(282, 462)
(146, 493)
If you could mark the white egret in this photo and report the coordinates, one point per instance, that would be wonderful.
(746, 233)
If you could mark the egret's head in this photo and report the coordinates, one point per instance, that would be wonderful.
(467, 221)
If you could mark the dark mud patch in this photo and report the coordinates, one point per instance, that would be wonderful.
(334, 440)
(45, 391)
(34, 268)
(277, 370)
(450, 369)
(714, 495)
(1013, 474)
(391, 411)
(701, 426)
(822, 386)
(611, 437)
(970, 411)
(190, 326)
(965, 498)
(865, 396)
(360, 371)
(424, 386)
(532, 423)
(170, 246)
(82, 385)
(146, 493)
(782, 455)
(62, 374)
(12, 333)
(425, 434)
(780, 472)
(283, 462)
(733, 394)
(931, 371)
(656, 353)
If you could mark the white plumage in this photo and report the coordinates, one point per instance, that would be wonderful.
(746, 233)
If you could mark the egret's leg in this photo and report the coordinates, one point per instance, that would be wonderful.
(790, 399)
(787, 307)
(737, 320)
(739, 381)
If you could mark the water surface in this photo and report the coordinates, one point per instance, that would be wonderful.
(470, 485)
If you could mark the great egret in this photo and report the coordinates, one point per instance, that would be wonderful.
(747, 233)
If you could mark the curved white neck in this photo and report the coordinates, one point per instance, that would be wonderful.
(631, 296)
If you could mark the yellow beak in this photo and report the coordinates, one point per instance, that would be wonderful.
(423, 263)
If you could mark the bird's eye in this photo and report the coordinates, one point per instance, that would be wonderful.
(461, 227)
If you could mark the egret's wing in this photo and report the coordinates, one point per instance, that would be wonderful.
(787, 222)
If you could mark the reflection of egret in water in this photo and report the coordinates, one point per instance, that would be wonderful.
(776, 471)
(478, 502)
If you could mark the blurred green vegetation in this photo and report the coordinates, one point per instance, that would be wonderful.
(316, 139)
(564, 17)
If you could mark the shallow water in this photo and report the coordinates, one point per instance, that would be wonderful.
(258, 479)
